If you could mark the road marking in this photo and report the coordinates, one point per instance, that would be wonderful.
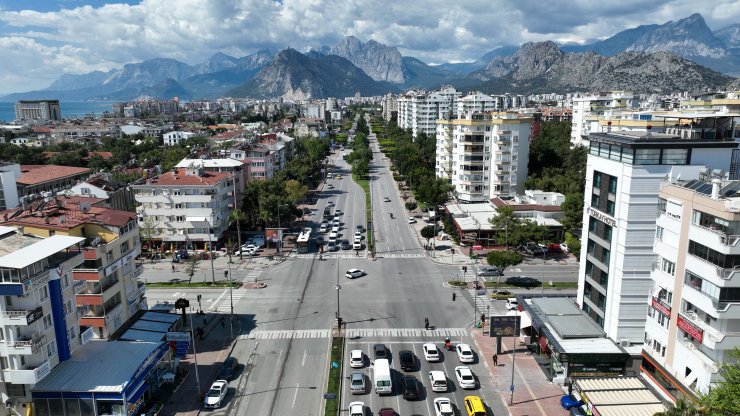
(218, 299)
(295, 395)
(303, 361)
(356, 333)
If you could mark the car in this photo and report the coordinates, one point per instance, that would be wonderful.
(407, 360)
(332, 245)
(357, 382)
(335, 229)
(357, 245)
(248, 252)
(334, 234)
(345, 245)
(358, 235)
(380, 351)
(228, 368)
(330, 203)
(412, 220)
(352, 273)
(438, 381)
(216, 394)
(360, 228)
(443, 407)
(257, 242)
(254, 247)
(489, 271)
(501, 294)
(386, 199)
(356, 359)
(357, 409)
(431, 353)
(386, 411)
(339, 176)
(330, 186)
(511, 304)
(465, 353)
(324, 228)
(411, 389)
(523, 281)
(474, 406)
(424, 209)
(569, 402)
(337, 212)
(336, 223)
(464, 377)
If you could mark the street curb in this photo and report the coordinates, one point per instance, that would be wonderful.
(490, 374)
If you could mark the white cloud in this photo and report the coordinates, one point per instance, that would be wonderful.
(39, 46)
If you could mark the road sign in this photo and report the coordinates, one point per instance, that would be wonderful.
(330, 396)
(334, 364)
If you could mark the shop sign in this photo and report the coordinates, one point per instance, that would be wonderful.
(661, 307)
(34, 315)
(602, 217)
(504, 325)
(690, 328)
(595, 370)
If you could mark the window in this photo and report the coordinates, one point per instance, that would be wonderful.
(659, 233)
(47, 321)
(43, 293)
(595, 200)
(675, 156)
(51, 349)
(179, 218)
(612, 185)
(647, 156)
(668, 267)
(124, 247)
(610, 207)
(597, 179)
(608, 232)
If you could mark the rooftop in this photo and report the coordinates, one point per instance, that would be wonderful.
(641, 137)
(210, 163)
(38, 174)
(181, 178)
(65, 212)
(38, 250)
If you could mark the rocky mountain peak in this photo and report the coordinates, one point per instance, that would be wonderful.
(689, 37)
(380, 62)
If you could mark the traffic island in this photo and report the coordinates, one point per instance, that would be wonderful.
(333, 394)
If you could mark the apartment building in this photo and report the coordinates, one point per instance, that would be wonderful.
(390, 106)
(36, 179)
(107, 292)
(693, 319)
(37, 110)
(167, 201)
(479, 102)
(623, 175)
(588, 108)
(418, 110)
(38, 318)
(175, 138)
(223, 165)
(483, 155)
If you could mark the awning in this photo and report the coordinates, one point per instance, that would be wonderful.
(524, 318)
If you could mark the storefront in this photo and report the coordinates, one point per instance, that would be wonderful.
(617, 397)
(102, 377)
(568, 344)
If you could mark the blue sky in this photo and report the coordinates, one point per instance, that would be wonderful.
(43, 39)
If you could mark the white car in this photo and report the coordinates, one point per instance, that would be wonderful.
(330, 203)
(465, 377)
(335, 223)
(337, 212)
(216, 394)
(431, 353)
(333, 234)
(356, 360)
(464, 353)
(324, 228)
(352, 273)
(358, 235)
(511, 304)
(443, 407)
(250, 247)
(564, 247)
(412, 220)
(357, 409)
(335, 229)
(357, 245)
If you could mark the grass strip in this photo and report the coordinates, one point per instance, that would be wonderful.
(335, 377)
(365, 185)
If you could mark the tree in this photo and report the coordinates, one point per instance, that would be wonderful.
(574, 245)
(238, 216)
(191, 266)
(428, 232)
(682, 408)
(295, 191)
(506, 221)
(503, 259)
(148, 230)
(724, 398)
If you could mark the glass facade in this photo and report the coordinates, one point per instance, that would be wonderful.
(641, 155)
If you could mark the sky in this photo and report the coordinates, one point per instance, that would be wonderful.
(43, 39)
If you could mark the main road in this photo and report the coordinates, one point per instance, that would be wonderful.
(285, 329)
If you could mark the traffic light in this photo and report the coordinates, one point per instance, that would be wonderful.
(465, 269)
(199, 297)
(226, 273)
(483, 317)
(452, 251)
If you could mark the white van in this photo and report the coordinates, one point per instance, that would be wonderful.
(382, 376)
(438, 380)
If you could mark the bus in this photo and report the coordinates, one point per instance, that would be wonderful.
(303, 243)
(382, 375)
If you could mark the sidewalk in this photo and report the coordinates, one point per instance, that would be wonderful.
(212, 351)
(533, 393)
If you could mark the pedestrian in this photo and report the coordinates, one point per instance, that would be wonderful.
(173, 268)
(357, 253)
(223, 324)
(426, 325)
(454, 296)
(495, 359)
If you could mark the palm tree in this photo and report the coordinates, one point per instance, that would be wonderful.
(238, 216)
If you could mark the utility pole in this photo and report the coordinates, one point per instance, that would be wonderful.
(210, 247)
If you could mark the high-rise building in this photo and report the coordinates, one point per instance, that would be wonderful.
(623, 176)
(38, 316)
(37, 110)
(419, 111)
(693, 319)
(484, 155)
(588, 108)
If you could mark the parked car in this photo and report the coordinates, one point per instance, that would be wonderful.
(360, 228)
(564, 247)
(407, 360)
(511, 304)
(569, 402)
(345, 245)
(216, 394)
(411, 389)
(357, 245)
(358, 236)
(523, 281)
(412, 220)
(386, 199)
(501, 294)
(228, 369)
(386, 411)
(352, 273)
(380, 351)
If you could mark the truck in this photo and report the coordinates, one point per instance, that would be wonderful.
(382, 376)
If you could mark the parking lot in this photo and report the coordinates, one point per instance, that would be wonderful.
(425, 404)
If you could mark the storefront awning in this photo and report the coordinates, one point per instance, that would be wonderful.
(524, 318)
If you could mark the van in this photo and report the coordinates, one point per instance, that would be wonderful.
(474, 406)
(438, 380)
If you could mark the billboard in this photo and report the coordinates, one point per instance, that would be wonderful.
(273, 235)
(504, 325)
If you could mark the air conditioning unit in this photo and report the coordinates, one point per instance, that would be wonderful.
(624, 343)
(690, 346)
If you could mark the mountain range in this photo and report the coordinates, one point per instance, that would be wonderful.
(676, 56)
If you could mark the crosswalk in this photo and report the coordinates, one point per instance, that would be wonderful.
(355, 333)
(482, 298)
(225, 305)
(354, 256)
(252, 276)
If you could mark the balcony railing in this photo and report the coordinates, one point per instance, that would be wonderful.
(29, 375)
(28, 346)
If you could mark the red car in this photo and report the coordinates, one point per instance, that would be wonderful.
(386, 411)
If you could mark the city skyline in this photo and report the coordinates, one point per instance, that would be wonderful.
(42, 40)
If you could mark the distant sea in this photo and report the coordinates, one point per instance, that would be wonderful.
(70, 109)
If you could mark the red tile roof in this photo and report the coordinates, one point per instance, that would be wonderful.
(181, 178)
(37, 174)
(64, 212)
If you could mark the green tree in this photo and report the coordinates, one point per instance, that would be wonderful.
(724, 398)
(574, 245)
(97, 163)
(238, 216)
(503, 259)
(504, 220)
(148, 231)
(683, 408)
(428, 232)
(191, 266)
(295, 191)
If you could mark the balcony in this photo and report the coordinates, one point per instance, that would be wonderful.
(133, 297)
(138, 270)
(29, 375)
(22, 317)
(712, 338)
(717, 275)
(27, 346)
(715, 238)
(473, 149)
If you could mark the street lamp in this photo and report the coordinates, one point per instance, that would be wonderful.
(339, 318)
(280, 237)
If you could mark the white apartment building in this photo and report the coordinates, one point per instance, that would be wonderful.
(170, 199)
(479, 102)
(390, 106)
(38, 317)
(484, 155)
(37, 110)
(587, 109)
(222, 165)
(623, 175)
(419, 111)
(174, 138)
(693, 319)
